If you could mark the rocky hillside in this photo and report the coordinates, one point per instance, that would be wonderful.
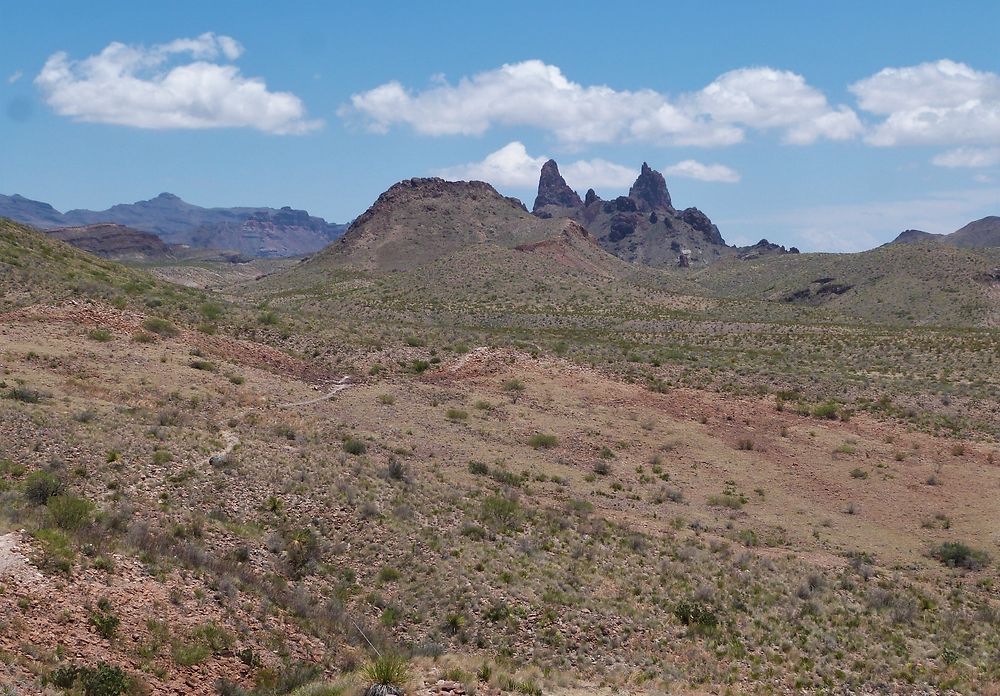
(419, 220)
(927, 283)
(251, 231)
(644, 226)
(112, 241)
(978, 234)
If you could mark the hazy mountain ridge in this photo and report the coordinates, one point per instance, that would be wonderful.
(252, 231)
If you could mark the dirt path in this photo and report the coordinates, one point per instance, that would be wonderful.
(344, 383)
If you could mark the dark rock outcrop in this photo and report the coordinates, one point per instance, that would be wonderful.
(112, 241)
(650, 191)
(591, 198)
(553, 189)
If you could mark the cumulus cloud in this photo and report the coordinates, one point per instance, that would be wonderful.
(512, 166)
(972, 157)
(937, 103)
(538, 95)
(186, 83)
(693, 169)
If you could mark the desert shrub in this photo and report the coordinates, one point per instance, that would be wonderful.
(859, 473)
(542, 441)
(301, 551)
(419, 366)
(957, 555)
(143, 337)
(204, 640)
(40, 486)
(9, 468)
(205, 365)
(415, 341)
(827, 410)
(160, 327)
(355, 446)
(387, 670)
(696, 615)
(268, 318)
(100, 335)
(26, 395)
(102, 680)
(387, 399)
(395, 470)
(211, 311)
(104, 621)
(456, 414)
(513, 385)
(745, 444)
(501, 512)
(70, 512)
(478, 468)
(57, 552)
(602, 468)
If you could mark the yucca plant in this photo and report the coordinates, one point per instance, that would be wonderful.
(387, 675)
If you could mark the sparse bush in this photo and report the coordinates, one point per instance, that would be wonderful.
(40, 486)
(501, 512)
(542, 441)
(745, 444)
(100, 335)
(205, 365)
(859, 473)
(102, 680)
(455, 414)
(69, 512)
(160, 327)
(957, 555)
(355, 446)
(696, 615)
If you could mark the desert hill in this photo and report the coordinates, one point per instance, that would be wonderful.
(926, 283)
(418, 220)
(978, 234)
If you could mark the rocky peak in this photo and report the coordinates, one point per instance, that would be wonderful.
(650, 191)
(553, 189)
(591, 197)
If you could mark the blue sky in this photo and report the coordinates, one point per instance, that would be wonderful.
(830, 127)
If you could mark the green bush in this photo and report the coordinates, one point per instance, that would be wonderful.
(100, 335)
(40, 486)
(696, 615)
(456, 414)
(957, 555)
(160, 327)
(827, 410)
(69, 512)
(355, 446)
(541, 441)
(501, 512)
(205, 365)
(106, 623)
(103, 680)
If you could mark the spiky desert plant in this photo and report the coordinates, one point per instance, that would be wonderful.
(387, 675)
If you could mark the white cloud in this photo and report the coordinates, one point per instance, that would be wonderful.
(512, 166)
(534, 94)
(940, 103)
(765, 98)
(693, 169)
(17, 75)
(972, 157)
(149, 88)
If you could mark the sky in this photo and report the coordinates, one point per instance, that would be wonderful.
(828, 126)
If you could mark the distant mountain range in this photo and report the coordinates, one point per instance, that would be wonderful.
(251, 231)
(978, 234)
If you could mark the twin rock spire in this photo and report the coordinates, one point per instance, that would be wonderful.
(649, 191)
